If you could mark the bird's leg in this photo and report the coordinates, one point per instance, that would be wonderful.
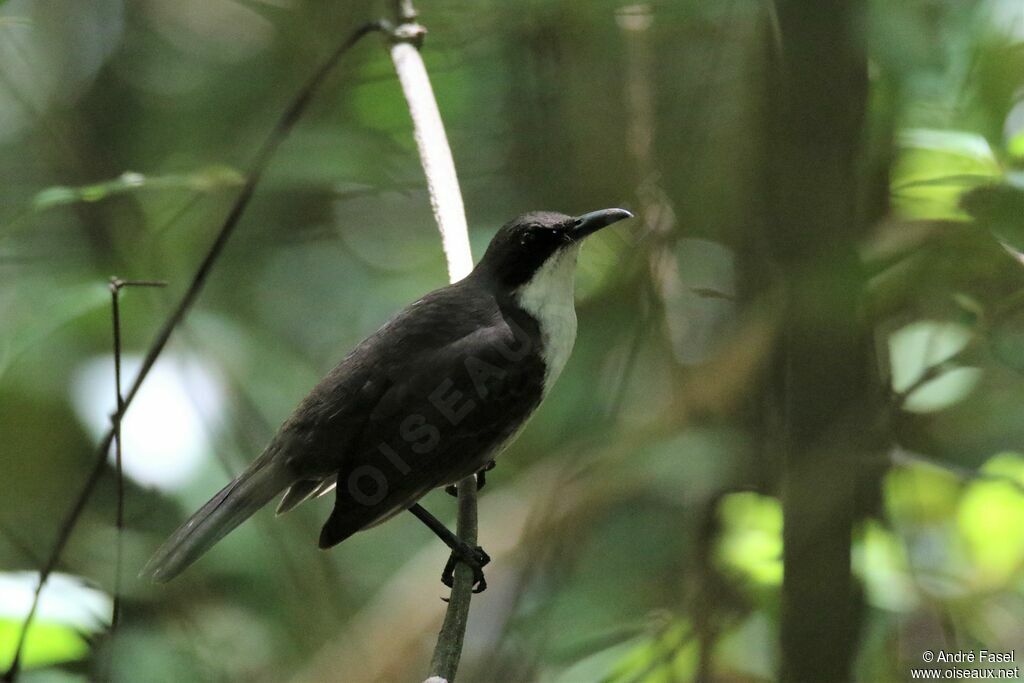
(473, 557)
(481, 480)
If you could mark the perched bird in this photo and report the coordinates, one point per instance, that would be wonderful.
(428, 399)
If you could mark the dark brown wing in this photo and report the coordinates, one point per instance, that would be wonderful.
(326, 427)
(441, 417)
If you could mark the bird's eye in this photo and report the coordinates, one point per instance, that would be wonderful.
(533, 234)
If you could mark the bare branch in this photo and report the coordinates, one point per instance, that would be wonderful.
(116, 285)
(277, 135)
(448, 650)
(450, 214)
(432, 142)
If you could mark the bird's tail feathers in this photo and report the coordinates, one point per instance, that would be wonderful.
(232, 505)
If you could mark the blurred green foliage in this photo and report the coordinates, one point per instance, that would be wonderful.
(46, 643)
(636, 526)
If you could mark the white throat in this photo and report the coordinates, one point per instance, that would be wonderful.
(548, 297)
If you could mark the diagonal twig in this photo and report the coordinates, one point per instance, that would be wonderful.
(260, 162)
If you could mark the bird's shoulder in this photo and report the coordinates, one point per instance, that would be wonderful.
(437, 329)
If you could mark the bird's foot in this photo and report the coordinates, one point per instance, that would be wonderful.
(481, 480)
(481, 476)
(473, 557)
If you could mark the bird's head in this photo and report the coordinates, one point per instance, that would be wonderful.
(538, 242)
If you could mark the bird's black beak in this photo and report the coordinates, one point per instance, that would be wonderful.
(589, 223)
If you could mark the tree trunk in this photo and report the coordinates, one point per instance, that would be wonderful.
(821, 379)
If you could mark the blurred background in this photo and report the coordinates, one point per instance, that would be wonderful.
(811, 338)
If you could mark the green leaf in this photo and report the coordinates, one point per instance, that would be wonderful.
(669, 656)
(208, 179)
(880, 558)
(597, 665)
(68, 610)
(1000, 209)
(920, 345)
(1016, 146)
(751, 542)
(921, 495)
(934, 169)
(991, 520)
(45, 645)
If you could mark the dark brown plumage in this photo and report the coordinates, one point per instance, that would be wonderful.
(428, 399)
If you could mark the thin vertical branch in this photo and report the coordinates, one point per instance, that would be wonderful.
(260, 162)
(432, 143)
(115, 419)
(450, 214)
(116, 285)
(448, 650)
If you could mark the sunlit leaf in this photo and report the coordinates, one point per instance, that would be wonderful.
(751, 542)
(991, 520)
(1016, 146)
(921, 494)
(881, 561)
(45, 644)
(920, 345)
(669, 656)
(597, 665)
(935, 167)
(68, 609)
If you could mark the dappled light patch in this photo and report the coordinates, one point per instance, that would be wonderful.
(919, 346)
(751, 541)
(990, 518)
(936, 167)
(961, 533)
(921, 494)
(69, 612)
(880, 560)
(667, 656)
(167, 433)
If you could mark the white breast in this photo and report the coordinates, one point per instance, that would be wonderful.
(548, 297)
